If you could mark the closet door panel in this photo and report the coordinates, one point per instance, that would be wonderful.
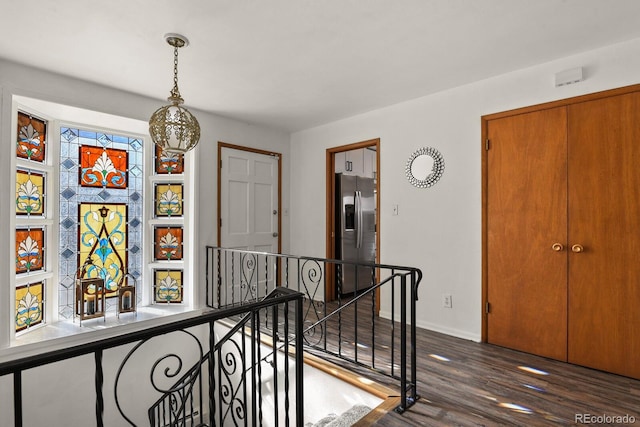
(526, 215)
(604, 218)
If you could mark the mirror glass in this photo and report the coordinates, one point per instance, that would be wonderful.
(422, 166)
(425, 167)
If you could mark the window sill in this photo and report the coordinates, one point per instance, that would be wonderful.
(65, 334)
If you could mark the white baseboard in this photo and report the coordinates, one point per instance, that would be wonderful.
(440, 328)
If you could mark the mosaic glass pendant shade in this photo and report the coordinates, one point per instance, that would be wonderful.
(103, 167)
(167, 286)
(167, 243)
(29, 249)
(168, 200)
(31, 142)
(168, 163)
(29, 193)
(103, 243)
(29, 305)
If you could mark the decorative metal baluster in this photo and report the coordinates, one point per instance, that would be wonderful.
(233, 278)
(98, 384)
(339, 269)
(266, 274)
(403, 344)
(393, 322)
(324, 305)
(274, 344)
(286, 363)
(211, 370)
(243, 334)
(373, 320)
(414, 368)
(355, 319)
(299, 365)
(17, 398)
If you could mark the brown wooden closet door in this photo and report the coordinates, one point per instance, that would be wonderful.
(526, 215)
(604, 217)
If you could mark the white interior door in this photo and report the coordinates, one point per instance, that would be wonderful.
(249, 200)
(249, 218)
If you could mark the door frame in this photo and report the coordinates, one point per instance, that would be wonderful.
(485, 145)
(222, 145)
(330, 214)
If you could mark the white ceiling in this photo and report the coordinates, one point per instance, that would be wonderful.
(295, 64)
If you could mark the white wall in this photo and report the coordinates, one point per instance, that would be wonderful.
(34, 83)
(439, 229)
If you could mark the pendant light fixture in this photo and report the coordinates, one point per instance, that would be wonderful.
(173, 127)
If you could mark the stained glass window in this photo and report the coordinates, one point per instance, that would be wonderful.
(168, 163)
(103, 167)
(103, 243)
(29, 193)
(29, 249)
(167, 286)
(113, 243)
(168, 200)
(167, 243)
(29, 305)
(32, 133)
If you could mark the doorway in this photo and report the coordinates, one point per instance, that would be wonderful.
(358, 159)
(249, 198)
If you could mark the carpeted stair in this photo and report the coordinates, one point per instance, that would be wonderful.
(347, 419)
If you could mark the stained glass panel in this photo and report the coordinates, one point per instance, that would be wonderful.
(32, 133)
(168, 163)
(29, 193)
(103, 243)
(29, 249)
(72, 194)
(167, 286)
(103, 167)
(168, 200)
(167, 243)
(29, 305)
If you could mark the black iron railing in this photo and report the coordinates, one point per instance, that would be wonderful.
(203, 373)
(343, 325)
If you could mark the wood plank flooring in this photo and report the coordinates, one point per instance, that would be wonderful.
(464, 383)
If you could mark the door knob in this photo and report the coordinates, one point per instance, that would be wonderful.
(577, 248)
(275, 234)
(558, 247)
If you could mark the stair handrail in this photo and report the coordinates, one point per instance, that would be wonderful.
(360, 296)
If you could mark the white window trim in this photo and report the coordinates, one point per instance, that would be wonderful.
(190, 291)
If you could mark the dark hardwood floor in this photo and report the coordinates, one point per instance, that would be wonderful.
(465, 383)
(484, 385)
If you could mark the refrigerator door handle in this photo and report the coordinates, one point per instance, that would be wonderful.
(359, 216)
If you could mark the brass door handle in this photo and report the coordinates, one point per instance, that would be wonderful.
(577, 248)
(558, 247)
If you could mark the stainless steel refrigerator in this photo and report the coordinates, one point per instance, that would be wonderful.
(355, 231)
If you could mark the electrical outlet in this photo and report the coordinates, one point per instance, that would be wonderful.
(447, 301)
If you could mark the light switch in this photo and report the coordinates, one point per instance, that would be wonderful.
(395, 209)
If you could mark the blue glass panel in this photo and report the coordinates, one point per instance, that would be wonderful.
(68, 135)
(68, 193)
(87, 141)
(87, 134)
(120, 139)
(68, 164)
